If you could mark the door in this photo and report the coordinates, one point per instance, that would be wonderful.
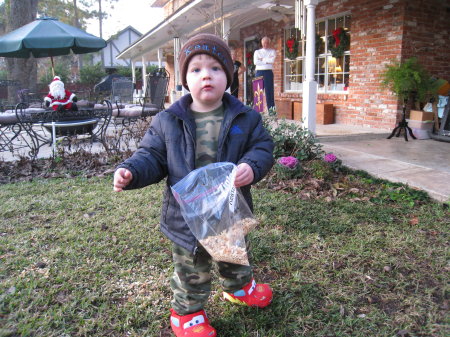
(250, 45)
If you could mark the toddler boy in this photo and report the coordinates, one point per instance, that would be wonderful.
(206, 126)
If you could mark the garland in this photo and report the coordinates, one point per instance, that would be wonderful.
(291, 48)
(338, 42)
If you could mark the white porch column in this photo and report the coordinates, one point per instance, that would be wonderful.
(176, 52)
(144, 76)
(226, 27)
(133, 72)
(310, 85)
(160, 56)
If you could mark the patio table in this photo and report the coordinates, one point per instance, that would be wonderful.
(45, 126)
(10, 130)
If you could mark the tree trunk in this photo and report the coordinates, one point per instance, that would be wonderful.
(24, 71)
(100, 19)
(77, 24)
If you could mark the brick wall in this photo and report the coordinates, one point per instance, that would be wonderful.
(381, 30)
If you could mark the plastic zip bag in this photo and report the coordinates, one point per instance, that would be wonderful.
(215, 211)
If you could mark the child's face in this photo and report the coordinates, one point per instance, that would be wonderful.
(207, 82)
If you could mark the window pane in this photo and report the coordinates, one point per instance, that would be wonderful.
(331, 25)
(294, 74)
(321, 28)
(340, 22)
(347, 63)
(348, 22)
(346, 81)
(331, 74)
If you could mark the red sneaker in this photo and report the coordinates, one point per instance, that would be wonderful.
(192, 325)
(253, 295)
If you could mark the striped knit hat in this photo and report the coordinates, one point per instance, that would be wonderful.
(206, 44)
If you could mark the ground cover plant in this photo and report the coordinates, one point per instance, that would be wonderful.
(346, 254)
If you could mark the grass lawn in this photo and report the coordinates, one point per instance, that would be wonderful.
(78, 259)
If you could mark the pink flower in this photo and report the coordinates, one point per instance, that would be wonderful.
(330, 158)
(290, 162)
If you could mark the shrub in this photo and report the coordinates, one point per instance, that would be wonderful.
(291, 139)
(92, 74)
(61, 70)
(126, 71)
(321, 170)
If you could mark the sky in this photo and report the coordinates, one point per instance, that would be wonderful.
(135, 13)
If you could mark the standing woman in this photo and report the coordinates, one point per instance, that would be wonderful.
(238, 69)
(264, 59)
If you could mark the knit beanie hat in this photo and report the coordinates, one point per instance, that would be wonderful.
(208, 44)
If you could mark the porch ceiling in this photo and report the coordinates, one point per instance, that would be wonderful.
(200, 16)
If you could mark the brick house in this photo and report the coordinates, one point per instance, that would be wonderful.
(379, 31)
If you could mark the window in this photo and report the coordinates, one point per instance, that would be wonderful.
(331, 73)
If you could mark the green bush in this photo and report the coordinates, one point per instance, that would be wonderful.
(291, 139)
(321, 170)
(92, 74)
(61, 70)
(3, 74)
(126, 71)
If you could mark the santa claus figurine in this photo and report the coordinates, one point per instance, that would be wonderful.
(58, 98)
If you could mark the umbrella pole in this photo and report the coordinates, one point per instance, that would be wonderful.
(53, 66)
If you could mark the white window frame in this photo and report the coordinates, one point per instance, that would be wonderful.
(327, 56)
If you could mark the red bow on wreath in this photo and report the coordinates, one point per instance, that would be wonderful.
(337, 34)
(249, 58)
(290, 44)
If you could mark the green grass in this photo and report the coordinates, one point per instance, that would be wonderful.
(80, 260)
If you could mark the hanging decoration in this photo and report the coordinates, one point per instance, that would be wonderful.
(249, 57)
(291, 48)
(338, 42)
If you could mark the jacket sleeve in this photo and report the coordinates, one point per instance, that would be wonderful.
(259, 153)
(149, 163)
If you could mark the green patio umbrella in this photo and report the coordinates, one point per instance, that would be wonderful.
(48, 37)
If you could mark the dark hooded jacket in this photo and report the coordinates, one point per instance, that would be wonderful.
(168, 150)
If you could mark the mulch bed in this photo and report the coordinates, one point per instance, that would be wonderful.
(86, 164)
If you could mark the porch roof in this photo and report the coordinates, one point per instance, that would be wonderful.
(201, 16)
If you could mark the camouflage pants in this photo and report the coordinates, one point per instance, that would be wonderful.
(191, 280)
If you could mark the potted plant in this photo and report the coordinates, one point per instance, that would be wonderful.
(412, 84)
(409, 81)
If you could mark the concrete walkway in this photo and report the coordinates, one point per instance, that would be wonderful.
(422, 164)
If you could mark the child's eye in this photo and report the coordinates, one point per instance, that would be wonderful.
(216, 68)
(195, 70)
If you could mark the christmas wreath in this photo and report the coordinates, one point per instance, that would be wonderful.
(338, 42)
(291, 48)
(249, 57)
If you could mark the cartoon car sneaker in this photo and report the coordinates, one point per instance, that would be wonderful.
(192, 325)
(253, 295)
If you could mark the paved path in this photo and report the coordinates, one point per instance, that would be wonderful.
(422, 164)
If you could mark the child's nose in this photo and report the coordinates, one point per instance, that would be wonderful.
(206, 73)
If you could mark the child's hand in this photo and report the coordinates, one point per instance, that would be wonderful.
(244, 175)
(122, 178)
